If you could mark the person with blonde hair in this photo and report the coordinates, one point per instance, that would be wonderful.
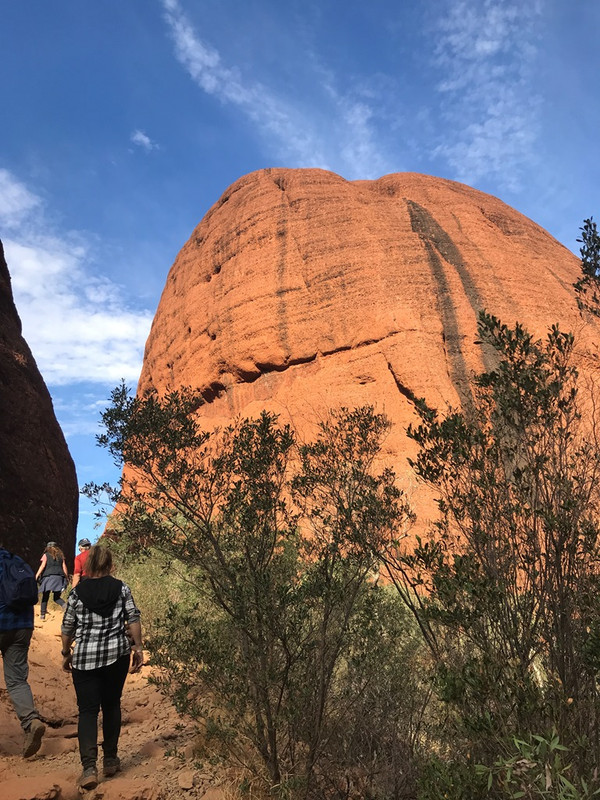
(95, 616)
(54, 575)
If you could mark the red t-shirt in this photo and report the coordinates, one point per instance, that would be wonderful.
(80, 563)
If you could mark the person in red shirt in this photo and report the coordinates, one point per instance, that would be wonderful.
(79, 570)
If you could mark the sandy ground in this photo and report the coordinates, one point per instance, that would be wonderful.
(157, 747)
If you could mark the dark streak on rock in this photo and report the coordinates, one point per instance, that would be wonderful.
(404, 390)
(428, 228)
(282, 236)
(450, 252)
(437, 243)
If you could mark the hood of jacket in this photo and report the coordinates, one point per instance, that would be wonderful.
(100, 595)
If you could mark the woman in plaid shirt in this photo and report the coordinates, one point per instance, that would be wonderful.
(95, 617)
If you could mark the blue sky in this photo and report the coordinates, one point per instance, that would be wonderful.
(123, 121)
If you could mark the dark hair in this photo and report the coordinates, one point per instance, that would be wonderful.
(99, 562)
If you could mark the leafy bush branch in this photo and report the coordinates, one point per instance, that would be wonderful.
(506, 587)
(280, 541)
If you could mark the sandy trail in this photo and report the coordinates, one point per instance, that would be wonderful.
(156, 745)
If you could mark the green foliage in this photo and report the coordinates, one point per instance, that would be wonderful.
(505, 590)
(536, 768)
(383, 696)
(590, 250)
(278, 543)
(588, 285)
(276, 637)
(155, 582)
(451, 779)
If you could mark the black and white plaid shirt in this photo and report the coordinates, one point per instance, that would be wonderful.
(99, 640)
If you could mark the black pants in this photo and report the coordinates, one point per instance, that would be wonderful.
(57, 599)
(96, 688)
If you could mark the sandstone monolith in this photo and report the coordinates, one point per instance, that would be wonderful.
(300, 291)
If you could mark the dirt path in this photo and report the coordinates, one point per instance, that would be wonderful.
(156, 746)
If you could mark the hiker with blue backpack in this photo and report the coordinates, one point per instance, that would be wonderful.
(18, 595)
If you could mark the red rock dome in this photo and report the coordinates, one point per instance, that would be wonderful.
(300, 291)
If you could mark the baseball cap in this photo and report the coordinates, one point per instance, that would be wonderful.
(84, 543)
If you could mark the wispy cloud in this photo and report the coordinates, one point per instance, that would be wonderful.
(16, 201)
(79, 413)
(76, 322)
(141, 139)
(486, 112)
(204, 65)
(294, 129)
(486, 51)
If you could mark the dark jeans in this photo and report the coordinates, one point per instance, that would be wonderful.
(57, 599)
(14, 646)
(97, 688)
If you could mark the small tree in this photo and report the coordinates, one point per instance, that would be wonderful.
(505, 589)
(588, 285)
(279, 542)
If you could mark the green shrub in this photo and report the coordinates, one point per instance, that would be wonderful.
(279, 542)
(537, 768)
(505, 588)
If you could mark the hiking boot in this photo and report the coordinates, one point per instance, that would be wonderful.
(88, 779)
(33, 738)
(111, 766)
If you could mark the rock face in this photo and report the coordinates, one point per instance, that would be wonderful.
(38, 484)
(300, 291)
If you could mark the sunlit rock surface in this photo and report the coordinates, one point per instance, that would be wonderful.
(300, 291)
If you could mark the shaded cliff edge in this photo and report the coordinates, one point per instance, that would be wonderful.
(38, 483)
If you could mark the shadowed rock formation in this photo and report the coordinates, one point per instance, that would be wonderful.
(38, 484)
(300, 291)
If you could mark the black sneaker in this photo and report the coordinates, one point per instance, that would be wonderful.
(88, 779)
(33, 738)
(111, 766)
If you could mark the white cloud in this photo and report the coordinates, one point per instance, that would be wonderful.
(16, 201)
(488, 115)
(142, 140)
(77, 323)
(80, 413)
(485, 51)
(203, 64)
(348, 146)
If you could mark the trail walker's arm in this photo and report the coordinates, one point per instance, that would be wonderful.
(67, 655)
(67, 633)
(135, 629)
(41, 567)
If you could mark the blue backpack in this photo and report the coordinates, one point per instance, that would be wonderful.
(18, 586)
